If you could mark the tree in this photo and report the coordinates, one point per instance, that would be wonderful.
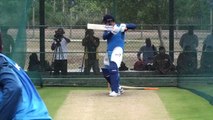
(192, 11)
(67, 12)
(85, 11)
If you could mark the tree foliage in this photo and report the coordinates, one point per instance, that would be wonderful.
(192, 11)
(61, 12)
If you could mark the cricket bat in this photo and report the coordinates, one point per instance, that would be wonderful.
(99, 27)
(138, 88)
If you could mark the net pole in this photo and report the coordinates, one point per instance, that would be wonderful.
(42, 31)
(171, 29)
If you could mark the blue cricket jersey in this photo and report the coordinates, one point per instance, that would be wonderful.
(19, 99)
(116, 40)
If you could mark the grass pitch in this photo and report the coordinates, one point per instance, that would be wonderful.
(184, 105)
(181, 104)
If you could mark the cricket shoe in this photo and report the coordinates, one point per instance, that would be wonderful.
(113, 94)
(120, 90)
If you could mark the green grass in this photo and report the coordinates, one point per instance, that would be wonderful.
(181, 104)
(184, 105)
(53, 97)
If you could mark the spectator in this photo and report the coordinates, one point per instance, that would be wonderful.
(19, 99)
(123, 67)
(162, 62)
(206, 62)
(60, 48)
(149, 51)
(208, 41)
(189, 39)
(138, 65)
(8, 42)
(34, 63)
(187, 61)
(91, 43)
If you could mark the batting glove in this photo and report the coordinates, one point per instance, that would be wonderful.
(123, 27)
(115, 29)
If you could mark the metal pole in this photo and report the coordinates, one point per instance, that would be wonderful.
(171, 29)
(33, 20)
(42, 31)
(211, 18)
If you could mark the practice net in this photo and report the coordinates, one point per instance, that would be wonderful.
(13, 28)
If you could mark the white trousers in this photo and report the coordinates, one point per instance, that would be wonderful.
(116, 56)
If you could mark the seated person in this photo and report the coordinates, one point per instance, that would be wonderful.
(206, 62)
(34, 63)
(149, 51)
(162, 62)
(138, 65)
(187, 61)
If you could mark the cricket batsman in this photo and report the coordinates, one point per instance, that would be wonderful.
(114, 55)
(19, 99)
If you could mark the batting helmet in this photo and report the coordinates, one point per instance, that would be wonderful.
(108, 18)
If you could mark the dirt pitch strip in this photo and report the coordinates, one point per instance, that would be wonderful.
(96, 105)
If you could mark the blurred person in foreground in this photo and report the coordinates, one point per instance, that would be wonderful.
(0, 42)
(19, 99)
(115, 46)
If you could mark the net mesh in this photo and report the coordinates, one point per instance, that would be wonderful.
(21, 42)
(13, 28)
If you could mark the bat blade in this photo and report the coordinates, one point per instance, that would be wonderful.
(138, 88)
(99, 27)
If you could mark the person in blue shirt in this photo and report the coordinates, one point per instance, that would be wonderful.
(115, 46)
(148, 52)
(19, 99)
